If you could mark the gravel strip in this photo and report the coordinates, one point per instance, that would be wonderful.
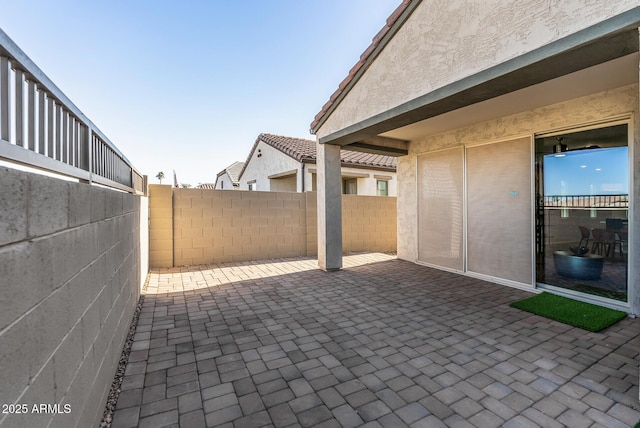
(112, 400)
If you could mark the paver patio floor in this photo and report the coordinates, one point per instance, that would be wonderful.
(382, 342)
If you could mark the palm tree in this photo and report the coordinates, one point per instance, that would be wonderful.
(160, 176)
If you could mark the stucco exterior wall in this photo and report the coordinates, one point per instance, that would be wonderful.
(615, 103)
(367, 185)
(71, 266)
(407, 208)
(272, 161)
(568, 114)
(455, 39)
(225, 182)
(284, 184)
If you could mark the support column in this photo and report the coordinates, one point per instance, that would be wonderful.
(329, 207)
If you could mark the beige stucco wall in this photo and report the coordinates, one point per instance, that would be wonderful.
(444, 41)
(367, 181)
(272, 161)
(225, 182)
(312, 223)
(568, 114)
(215, 226)
(284, 184)
(71, 266)
(615, 103)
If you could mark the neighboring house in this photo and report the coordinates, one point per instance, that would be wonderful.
(206, 186)
(227, 179)
(517, 128)
(286, 164)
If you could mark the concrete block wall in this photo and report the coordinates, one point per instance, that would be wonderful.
(70, 275)
(216, 226)
(219, 226)
(369, 223)
(160, 226)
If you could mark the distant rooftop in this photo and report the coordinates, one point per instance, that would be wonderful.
(304, 151)
(206, 186)
(233, 171)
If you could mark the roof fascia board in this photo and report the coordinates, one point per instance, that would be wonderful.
(401, 115)
(377, 149)
(357, 166)
(355, 174)
(360, 166)
(246, 163)
(380, 146)
(370, 59)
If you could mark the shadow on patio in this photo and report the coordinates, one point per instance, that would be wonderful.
(383, 341)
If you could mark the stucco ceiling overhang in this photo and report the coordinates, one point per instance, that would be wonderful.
(597, 58)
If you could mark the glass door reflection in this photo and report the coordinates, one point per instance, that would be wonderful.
(582, 206)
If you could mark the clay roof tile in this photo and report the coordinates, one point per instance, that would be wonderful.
(304, 150)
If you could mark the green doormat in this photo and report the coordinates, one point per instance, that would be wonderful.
(569, 311)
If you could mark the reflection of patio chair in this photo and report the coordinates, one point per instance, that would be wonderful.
(619, 234)
(602, 241)
(620, 238)
(585, 236)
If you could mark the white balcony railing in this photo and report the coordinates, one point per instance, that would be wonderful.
(586, 201)
(40, 127)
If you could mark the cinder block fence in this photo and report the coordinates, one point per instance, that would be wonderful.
(199, 226)
(73, 254)
(72, 261)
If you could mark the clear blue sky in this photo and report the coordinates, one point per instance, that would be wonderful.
(587, 172)
(189, 85)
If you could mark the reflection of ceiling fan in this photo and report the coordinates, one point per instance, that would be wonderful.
(560, 147)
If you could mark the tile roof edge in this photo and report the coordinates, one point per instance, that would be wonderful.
(378, 43)
(287, 150)
(227, 169)
(231, 169)
(265, 138)
(253, 149)
(303, 158)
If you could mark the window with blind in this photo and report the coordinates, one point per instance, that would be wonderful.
(499, 210)
(440, 208)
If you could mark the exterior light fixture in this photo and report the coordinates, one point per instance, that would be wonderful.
(559, 149)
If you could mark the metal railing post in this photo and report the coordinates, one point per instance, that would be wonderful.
(42, 128)
(19, 90)
(5, 105)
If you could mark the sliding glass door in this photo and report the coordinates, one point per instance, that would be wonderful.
(582, 207)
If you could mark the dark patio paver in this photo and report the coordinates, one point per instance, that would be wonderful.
(381, 343)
